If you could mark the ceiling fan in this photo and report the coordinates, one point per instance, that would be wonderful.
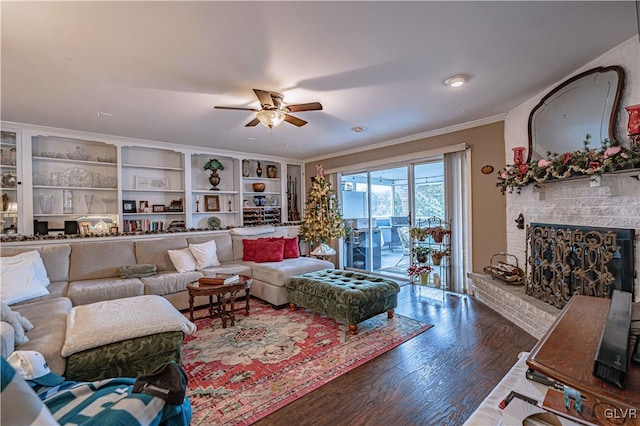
(274, 112)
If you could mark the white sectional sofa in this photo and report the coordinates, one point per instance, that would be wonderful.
(87, 271)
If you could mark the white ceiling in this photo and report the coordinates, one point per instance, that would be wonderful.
(160, 67)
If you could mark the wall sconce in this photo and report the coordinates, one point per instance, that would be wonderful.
(520, 221)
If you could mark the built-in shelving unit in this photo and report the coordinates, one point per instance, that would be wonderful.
(153, 194)
(55, 180)
(261, 207)
(214, 208)
(9, 181)
(71, 179)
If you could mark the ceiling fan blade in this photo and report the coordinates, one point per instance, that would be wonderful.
(294, 120)
(239, 108)
(312, 106)
(264, 97)
(252, 123)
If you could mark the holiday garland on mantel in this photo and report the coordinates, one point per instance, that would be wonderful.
(586, 162)
(322, 218)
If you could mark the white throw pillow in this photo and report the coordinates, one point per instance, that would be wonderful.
(34, 259)
(19, 283)
(182, 260)
(205, 254)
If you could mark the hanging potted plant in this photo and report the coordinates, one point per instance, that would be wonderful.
(438, 233)
(214, 165)
(421, 271)
(437, 255)
(419, 234)
(421, 253)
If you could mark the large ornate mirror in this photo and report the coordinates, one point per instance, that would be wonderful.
(586, 103)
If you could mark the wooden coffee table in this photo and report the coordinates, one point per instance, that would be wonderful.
(224, 294)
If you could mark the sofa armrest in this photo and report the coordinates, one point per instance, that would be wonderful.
(7, 342)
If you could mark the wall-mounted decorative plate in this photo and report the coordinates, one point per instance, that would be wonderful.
(213, 222)
(487, 169)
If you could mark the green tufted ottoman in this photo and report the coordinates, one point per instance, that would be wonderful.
(347, 296)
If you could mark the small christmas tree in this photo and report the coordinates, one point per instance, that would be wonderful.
(322, 219)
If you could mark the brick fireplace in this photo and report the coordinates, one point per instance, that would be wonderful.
(615, 203)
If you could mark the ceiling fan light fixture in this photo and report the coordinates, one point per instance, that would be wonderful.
(270, 118)
(456, 80)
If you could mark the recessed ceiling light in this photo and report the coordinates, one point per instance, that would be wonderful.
(251, 139)
(456, 80)
(359, 129)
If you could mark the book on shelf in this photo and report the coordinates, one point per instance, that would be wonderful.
(220, 279)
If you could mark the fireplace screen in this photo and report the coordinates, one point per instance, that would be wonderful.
(566, 260)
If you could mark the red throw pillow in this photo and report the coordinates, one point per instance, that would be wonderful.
(291, 250)
(270, 251)
(249, 250)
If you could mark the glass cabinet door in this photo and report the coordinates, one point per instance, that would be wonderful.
(9, 181)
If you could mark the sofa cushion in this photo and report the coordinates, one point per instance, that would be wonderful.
(49, 319)
(227, 268)
(291, 248)
(205, 254)
(97, 290)
(224, 250)
(54, 257)
(169, 282)
(19, 280)
(270, 250)
(276, 273)
(95, 260)
(183, 260)
(249, 250)
(155, 251)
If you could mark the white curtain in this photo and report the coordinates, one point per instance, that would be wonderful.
(457, 212)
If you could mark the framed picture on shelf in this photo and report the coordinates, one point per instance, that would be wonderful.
(158, 208)
(153, 184)
(85, 228)
(113, 229)
(144, 207)
(211, 203)
(128, 206)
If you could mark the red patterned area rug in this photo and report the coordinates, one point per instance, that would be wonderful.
(240, 374)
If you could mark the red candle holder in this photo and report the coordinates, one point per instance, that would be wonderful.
(518, 155)
(634, 124)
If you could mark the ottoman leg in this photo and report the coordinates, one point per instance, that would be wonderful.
(390, 313)
(353, 329)
(292, 306)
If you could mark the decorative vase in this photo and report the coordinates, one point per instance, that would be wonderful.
(436, 258)
(46, 204)
(214, 180)
(421, 258)
(424, 278)
(259, 170)
(67, 201)
(88, 199)
(518, 155)
(246, 171)
(272, 171)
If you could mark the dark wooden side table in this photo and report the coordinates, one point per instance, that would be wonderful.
(224, 294)
(567, 352)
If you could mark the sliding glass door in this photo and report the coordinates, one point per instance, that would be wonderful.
(377, 206)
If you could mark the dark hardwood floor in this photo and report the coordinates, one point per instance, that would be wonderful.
(437, 378)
